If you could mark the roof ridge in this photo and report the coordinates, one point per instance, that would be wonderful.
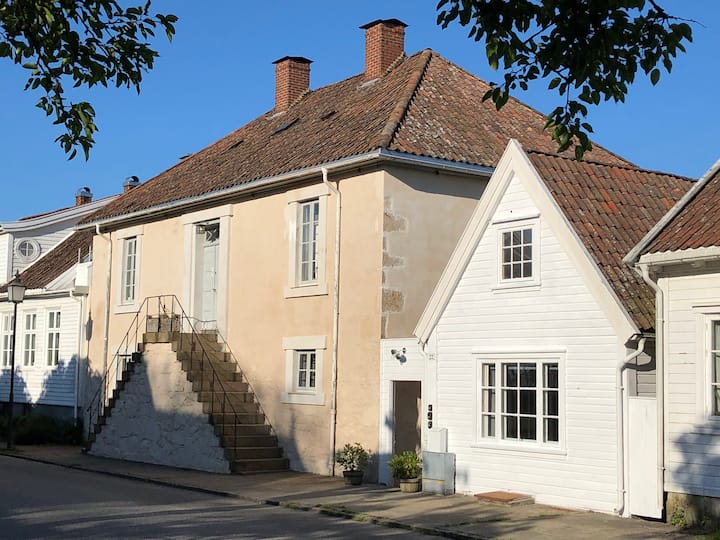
(398, 113)
(629, 166)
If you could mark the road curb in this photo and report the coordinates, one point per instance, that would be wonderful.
(325, 509)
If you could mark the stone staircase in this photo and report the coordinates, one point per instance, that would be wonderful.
(226, 398)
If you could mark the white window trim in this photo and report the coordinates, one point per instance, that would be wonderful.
(705, 423)
(46, 333)
(294, 199)
(303, 343)
(222, 214)
(36, 349)
(506, 225)
(121, 236)
(498, 443)
(3, 363)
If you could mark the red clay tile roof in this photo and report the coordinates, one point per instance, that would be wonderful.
(696, 223)
(56, 261)
(611, 208)
(423, 105)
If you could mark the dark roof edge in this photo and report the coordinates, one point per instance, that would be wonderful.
(350, 162)
(634, 255)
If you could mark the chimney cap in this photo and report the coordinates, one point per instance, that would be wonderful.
(298, 59)
(83, 192)
(389, 22)
(131, 181)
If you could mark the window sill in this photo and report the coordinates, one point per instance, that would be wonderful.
(516, 286)
(529, 448)
(303, 399)
(125, 308)
(306, 290)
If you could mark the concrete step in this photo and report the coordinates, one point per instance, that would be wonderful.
(190, 342)
(259, 465)
(203, 385)
(229, 428)
(160, 337)
(206, 362)
(213, 356)
(252, 452)
(242, 440)
(220, 405)
(221, 377)
(229, 418)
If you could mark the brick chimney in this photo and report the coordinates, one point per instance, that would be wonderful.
(130, 183)
(384, 43)
(292, 79)
(83, 196)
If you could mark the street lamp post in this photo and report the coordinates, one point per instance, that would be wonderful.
(16, 294)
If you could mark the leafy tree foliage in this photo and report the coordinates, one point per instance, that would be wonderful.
(590, 50)
(82, 43)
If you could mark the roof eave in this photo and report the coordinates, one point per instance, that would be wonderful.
(682, 256)
(369, 158)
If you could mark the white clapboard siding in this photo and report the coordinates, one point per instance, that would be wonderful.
(49, 385)
(693, 449)
(559, 315)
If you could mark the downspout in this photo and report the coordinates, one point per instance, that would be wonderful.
(659, 377)
(336, 321)
(621, 422)
(108, 278)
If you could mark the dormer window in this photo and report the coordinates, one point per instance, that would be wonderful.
(27, 250)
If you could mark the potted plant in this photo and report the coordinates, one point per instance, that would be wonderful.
(353, 458)
(407, 468)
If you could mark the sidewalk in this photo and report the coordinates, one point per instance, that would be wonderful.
(455, 516)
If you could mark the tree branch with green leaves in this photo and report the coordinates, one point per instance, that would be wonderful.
(590, 50)
(82, 43)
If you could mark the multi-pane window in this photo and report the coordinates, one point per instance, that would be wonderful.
(520, 401)
(8, 323)
(129, 270)
(29, 339)
(517, 254)
(305, 371)
(307, 241)
(715, 367)
(53, 338)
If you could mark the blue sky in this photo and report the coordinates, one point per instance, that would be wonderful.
(218, 74)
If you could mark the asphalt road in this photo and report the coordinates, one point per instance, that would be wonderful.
(46, 501)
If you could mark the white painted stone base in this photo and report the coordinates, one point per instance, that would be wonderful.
(159, 420)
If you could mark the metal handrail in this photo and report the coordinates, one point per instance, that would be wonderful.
(101, 398)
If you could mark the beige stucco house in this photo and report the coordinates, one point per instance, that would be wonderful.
(307, 236)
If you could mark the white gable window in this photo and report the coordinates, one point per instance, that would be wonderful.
(27, 250)
(303, 370)
(8, 322)
(129, 270)
(520, 400)
(306, 219)
(518, 254)
(29, 339)
(53, 338)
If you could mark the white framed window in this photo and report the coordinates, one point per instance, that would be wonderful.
(304, 369)
(53, 338)
(27, 250)
(307, 224)
(518, 254)
(129, 246)
(29, 339)
(8, 323)
(713, 385)
(129, 270)
(520, 399)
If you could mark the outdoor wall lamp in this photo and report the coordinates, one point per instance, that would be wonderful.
(399, 354)
(16, 294)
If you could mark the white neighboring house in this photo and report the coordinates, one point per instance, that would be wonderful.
(680, 257)
(531, 330)
(53, 261)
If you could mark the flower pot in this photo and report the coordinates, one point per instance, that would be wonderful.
(353, 478)
(410, 485)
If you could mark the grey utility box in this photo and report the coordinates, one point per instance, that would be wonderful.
(438, 474)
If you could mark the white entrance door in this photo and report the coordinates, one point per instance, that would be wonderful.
(206, 274)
